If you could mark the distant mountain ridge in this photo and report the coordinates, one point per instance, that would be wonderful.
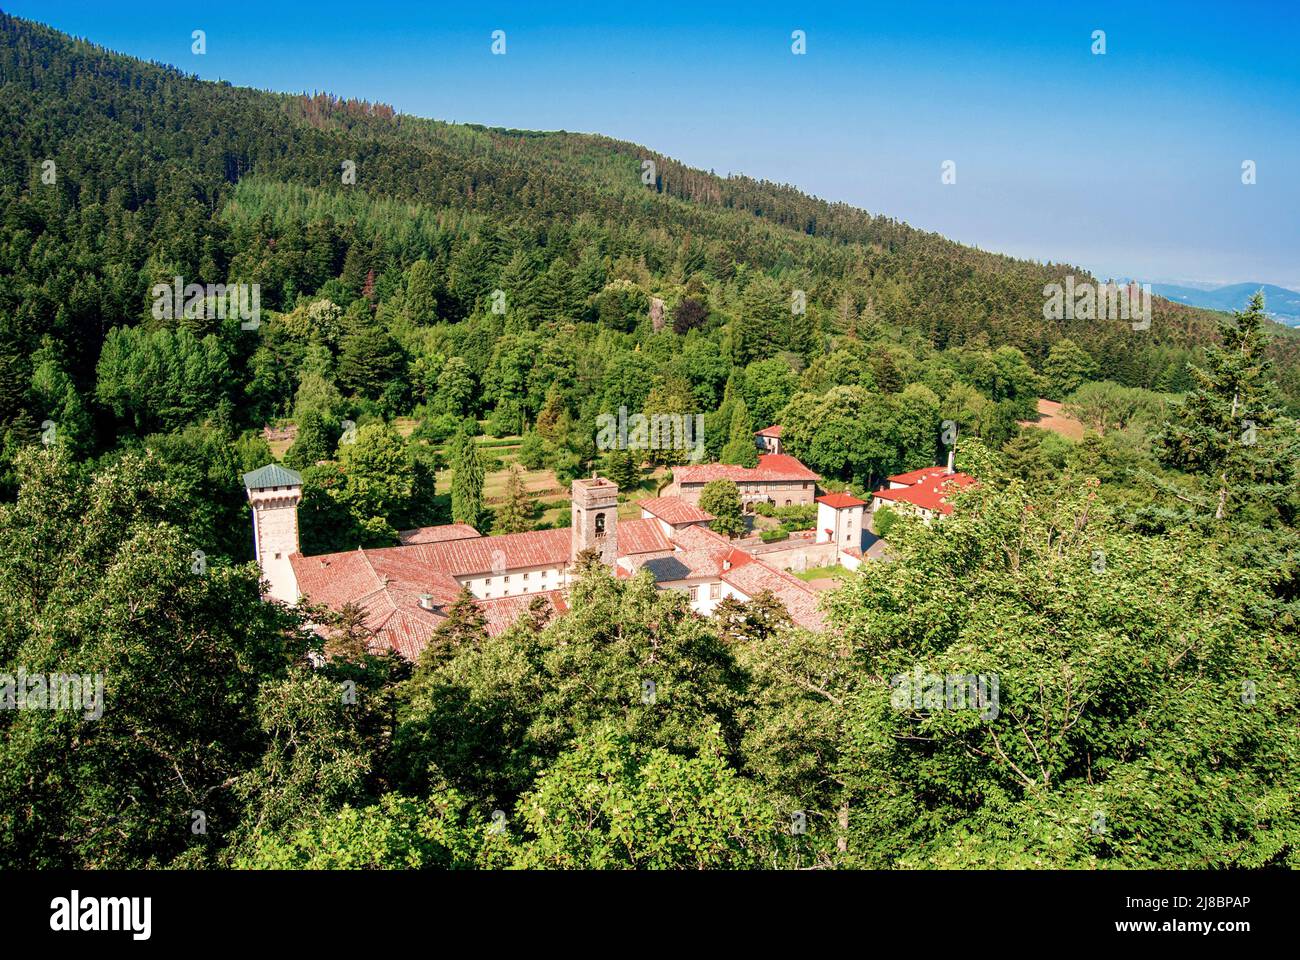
(1282, 304)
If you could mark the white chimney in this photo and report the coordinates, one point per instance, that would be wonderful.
(952, 453)
(426, 601)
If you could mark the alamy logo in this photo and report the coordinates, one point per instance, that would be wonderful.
(657, 431)
(54, 691)
(953, 691)
(1087, 301)
(70, 914)
(177, 299)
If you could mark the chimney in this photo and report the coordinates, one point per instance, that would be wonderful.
(952, 453)
(426, 601)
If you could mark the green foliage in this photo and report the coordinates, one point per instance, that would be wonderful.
(315, 441)
(612, 803)
(466, 481)
(722, 499)
(162, 379)
(421, 292)
(1111, 651)
(1066, 369)
(532, 451)
(621, 467)
(621, 305)
(96, 579)
(397, 833)
(797, 516)
(515, 515)
(379, 473)
(883, 519)
(1122, 619)
(1227, 430)
(370, 358)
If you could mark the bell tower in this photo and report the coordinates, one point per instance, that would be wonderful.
(274, 492)
(594, 519)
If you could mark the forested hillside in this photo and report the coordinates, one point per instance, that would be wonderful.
(428, 291)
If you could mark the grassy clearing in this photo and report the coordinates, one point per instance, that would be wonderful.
(822, 573)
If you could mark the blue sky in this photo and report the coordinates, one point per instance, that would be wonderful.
(1129, 164)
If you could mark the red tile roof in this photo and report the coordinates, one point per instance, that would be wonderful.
(839, 501)
(641, 536)
(387, 583)
(674, 510)
(916, 476)
(930, 494)
(800, 600)
(438, 534)
(502, 612)
(771, 467)
(772, 431)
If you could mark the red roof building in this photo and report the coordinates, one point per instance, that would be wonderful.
(438, 534)
(927, 495)
(404, 592)
(674, 511)
(769, 439)
(840, 501)
(778, 479)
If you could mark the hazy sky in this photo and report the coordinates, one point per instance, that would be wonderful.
(1128, 164)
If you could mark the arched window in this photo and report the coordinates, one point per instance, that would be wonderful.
(600, 524)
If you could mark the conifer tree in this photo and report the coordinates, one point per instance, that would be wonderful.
(740, 449)
(514, 516)
(1224, 429)
(621, 467)
(465, 626)
(466, 481)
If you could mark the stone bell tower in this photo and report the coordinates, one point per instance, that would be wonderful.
(595, 518)
(274, 492)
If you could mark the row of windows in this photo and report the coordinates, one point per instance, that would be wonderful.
(715, 591)
(487, 582)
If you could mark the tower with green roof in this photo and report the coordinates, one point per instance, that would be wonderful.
(274, 493)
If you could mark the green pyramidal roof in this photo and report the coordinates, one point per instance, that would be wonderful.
(272, 475)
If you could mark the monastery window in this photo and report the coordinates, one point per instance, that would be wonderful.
(506, 578)
(715, 591)
(487, 582)
(695, 593)
(525, 576)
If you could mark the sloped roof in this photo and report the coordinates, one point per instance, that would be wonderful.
(839, 501)
(771, 467)
(387, 583)
(272, 475)
(674, 510)
(931, 493)
(799, 599)
(916, 476)
(438, 534)
(502, 612)
(772, 431)
(640, 536)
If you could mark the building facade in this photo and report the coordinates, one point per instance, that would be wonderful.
(404, 592)
(779, 480)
